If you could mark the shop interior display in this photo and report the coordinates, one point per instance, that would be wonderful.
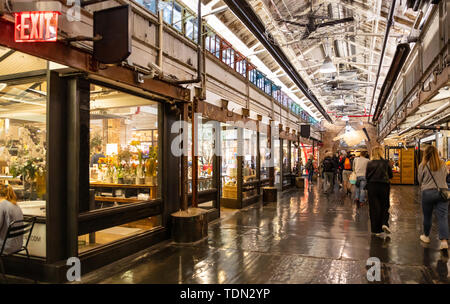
(229, 161)
(23, 139)
(124, 162)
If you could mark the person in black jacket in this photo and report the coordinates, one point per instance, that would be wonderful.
(329, 170)
(378, 174)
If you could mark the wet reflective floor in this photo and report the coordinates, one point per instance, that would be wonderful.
(306, 237)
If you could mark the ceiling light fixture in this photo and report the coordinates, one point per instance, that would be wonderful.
(327, 66)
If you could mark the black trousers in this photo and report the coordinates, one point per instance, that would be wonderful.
(378, 196)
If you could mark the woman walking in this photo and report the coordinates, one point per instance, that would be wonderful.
(378, 174)
(432, 177)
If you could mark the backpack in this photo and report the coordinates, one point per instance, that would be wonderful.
(347, 164)
(328, 165)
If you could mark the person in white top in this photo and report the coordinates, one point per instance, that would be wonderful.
(359, 167)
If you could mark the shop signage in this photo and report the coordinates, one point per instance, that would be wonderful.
(36, 26)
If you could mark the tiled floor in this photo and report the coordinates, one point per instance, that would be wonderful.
(307, 237)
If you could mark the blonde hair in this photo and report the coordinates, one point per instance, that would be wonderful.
(377, 153)
(8, 193)
(431, 156)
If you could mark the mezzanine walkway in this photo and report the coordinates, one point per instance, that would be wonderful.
(307, 237)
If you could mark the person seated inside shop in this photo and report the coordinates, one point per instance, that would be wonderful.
(98, 154)
(9, 212)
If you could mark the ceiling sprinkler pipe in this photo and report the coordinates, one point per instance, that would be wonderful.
(386, 37)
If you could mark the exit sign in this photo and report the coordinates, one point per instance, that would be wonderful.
(36, 26)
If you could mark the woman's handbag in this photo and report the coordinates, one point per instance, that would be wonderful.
(444, 193)
(352, 178)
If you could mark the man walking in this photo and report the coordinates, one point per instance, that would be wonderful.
(329, 170)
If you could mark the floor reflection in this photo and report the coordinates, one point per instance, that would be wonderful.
(306, 237)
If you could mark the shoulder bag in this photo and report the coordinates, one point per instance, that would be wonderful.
(444, 193)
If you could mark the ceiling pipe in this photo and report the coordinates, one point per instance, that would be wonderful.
(386, 37)
(248, 17)
(401, 53)
(425, 118)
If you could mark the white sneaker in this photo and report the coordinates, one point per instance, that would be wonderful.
(381, 234)
(386, 229)
(444, 245)
(424, 238)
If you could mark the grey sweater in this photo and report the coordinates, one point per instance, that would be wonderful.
(9, 213)
(426, 181)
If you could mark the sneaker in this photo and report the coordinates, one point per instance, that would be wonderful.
(380, 234)
(424, 238)
(386, 229)
(444, 245)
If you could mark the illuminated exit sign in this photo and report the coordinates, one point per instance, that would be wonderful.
(36, 26)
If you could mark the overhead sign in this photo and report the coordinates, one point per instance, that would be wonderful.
(36, 26)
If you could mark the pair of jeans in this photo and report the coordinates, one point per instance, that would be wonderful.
(431, 200)
(328, 179)
(360, 194)
(310, 175)
(378, 205)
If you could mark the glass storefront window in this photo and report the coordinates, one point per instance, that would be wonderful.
(124, 163)
(124, 147)
(205, 155)
(294, 158)
(229, 137)
(286, 168)
(276, 158)
(265, 155)
(23, 138)
(249, 169)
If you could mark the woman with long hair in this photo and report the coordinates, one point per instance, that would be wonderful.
(378, 175)
(9, 212)
(432, 177)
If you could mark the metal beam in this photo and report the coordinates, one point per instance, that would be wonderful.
(245, 13)
(6, 55)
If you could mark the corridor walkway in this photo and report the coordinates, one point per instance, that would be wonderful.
(307, 237)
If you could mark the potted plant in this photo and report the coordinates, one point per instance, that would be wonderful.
(151, 166)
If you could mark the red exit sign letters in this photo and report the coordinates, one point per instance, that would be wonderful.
(36, 26)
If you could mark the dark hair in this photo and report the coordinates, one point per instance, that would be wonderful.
(363, 153)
